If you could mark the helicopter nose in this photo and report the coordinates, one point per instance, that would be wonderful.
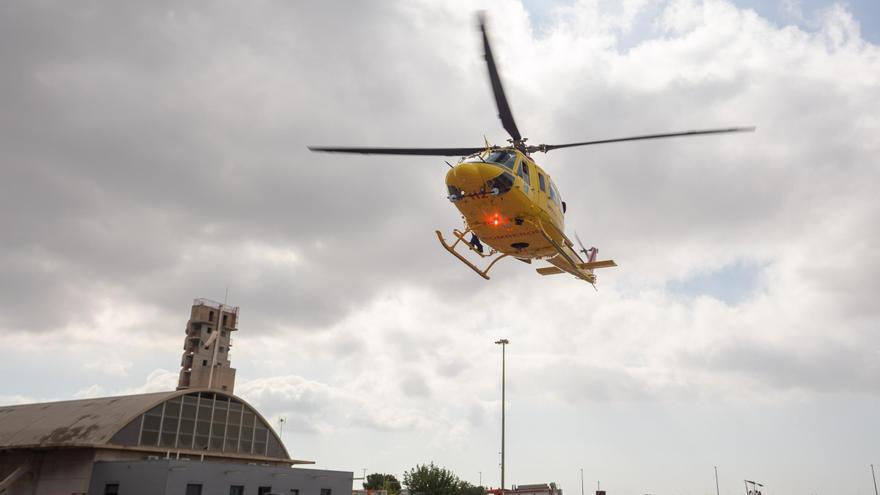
(470, 177)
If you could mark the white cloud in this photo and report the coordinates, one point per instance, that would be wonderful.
(90, 392)
(158, 380)
(108, 365)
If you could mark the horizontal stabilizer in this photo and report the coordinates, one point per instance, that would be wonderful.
(549, 270)
(597, 264)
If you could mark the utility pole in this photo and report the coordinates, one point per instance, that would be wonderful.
(582, 481)
(503, 343)
(717, 492)
(481, 478)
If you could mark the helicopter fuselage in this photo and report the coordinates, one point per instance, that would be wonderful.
(505, 199)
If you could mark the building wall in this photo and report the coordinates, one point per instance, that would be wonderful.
(65, 471)
(26, 482)
(160, 477)
(49, 472)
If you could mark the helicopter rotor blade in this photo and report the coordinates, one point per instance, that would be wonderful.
(504, 112)
(548, 147)
(400, 151)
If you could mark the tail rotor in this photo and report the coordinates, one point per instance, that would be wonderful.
(589, 253)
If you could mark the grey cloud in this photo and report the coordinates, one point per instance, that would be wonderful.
(827, 366)
(140, 138)
(414, 385)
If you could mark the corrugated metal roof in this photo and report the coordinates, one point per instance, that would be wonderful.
(73, 422)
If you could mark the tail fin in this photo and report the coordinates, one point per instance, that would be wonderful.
(591, 254)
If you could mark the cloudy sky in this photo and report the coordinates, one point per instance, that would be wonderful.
(151, 153)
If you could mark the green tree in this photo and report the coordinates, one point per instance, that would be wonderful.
(379, 481)
(465, 488)
(428, 479)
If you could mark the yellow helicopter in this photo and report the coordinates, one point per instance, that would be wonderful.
(507, 201)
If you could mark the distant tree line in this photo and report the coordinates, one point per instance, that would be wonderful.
(424, 479)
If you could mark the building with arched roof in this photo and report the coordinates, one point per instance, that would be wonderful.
(102, 445)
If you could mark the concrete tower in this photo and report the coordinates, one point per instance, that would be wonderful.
(205, 361)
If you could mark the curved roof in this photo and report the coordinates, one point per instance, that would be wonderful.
(95, 422)
(72, 422)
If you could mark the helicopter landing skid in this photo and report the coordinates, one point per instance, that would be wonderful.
(460, 239)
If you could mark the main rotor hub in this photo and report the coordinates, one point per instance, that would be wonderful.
(520, 144)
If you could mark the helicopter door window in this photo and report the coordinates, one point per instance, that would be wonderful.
(541, 182)
(524, 173)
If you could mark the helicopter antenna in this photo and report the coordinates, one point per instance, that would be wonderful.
(450, 165)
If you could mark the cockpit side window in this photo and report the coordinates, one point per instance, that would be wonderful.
(554, 194)
(541, 182)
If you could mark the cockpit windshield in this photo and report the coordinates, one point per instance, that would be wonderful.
(500, 157)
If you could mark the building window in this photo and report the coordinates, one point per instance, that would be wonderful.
(204, 362)
(236, 490)
(210, 316)
(264, 490)
(203, 421)
(194, 489)
(224, 320)
(325, 491)
(111, 489)
(294, 491)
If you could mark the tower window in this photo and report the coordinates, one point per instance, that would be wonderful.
(204, 362)
(210, 316)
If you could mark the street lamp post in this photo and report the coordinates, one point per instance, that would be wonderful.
(874, 478)
(717, 491)
(503, 343)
